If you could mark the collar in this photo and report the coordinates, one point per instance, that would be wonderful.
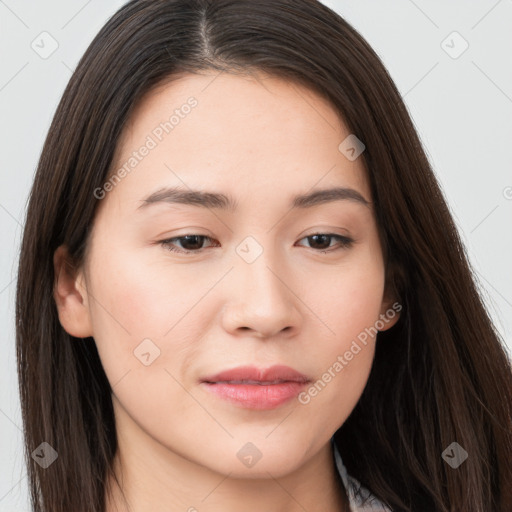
(360, 498)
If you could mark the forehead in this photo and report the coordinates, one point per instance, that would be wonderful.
(247, 135)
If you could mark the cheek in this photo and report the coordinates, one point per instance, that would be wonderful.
(343, 360)
(146, 331)
(349, 308)
(142, 295)
(346, 299)
(133, 307)
(158, 308)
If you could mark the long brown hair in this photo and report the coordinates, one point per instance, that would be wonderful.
(440, 375)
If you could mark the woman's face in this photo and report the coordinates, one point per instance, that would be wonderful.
(256, 287)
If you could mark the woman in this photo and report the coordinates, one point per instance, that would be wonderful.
(240, 285)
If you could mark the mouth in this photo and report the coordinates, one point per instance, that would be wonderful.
(251, 382)
(253, 388)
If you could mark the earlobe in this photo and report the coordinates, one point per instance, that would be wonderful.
(389, 314)
(70, 295)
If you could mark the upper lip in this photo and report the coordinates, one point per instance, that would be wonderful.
(273, 374)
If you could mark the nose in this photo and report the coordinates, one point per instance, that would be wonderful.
(261, 300)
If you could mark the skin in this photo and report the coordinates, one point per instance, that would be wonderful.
(295, 304)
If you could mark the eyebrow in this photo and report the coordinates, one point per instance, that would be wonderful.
(225, 202)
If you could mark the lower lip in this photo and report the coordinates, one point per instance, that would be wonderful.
(255, 396)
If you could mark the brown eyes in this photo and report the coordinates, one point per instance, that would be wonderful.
(194, 243)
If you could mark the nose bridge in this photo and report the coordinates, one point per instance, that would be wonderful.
(264, 301)
(262, 264)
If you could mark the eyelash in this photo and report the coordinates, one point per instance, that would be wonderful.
(345, 243)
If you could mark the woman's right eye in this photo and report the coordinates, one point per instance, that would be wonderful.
(192, 243)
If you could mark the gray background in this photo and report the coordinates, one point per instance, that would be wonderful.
(462, 108)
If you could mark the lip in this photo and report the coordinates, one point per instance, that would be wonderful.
(256, 388)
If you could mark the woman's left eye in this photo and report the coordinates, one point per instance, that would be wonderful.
(344, 242)
(194, 243)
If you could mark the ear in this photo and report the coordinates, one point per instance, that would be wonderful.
(70, 294)
(389, 313)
